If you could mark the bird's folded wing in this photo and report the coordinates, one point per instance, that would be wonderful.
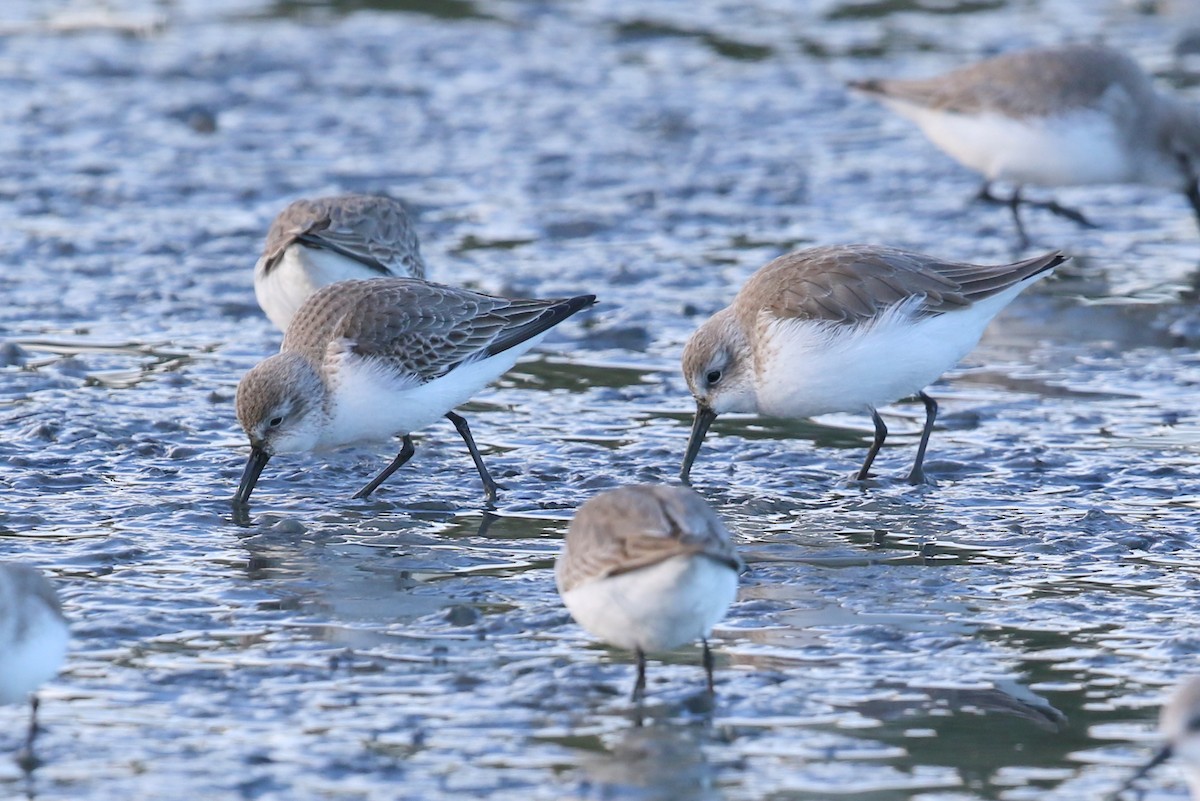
(851, 285)
(428, 330)
(637, 530)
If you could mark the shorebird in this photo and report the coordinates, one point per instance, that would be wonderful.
(843, 329)
(33, 639)
(1056, 116)
(313, 243)
(648, 568)
(363, 361)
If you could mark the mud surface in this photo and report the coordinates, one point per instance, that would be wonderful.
(1005, 634)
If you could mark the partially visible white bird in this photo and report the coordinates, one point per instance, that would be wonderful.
(1056, 116)
(648, 568)
(313, 243)
(363, 361)
(33, 638)
(845, 328)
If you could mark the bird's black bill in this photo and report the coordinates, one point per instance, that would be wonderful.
(1162, 756)
(704, 418)
(254, 467)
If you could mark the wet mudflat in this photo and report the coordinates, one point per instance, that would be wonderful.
(1006, 634)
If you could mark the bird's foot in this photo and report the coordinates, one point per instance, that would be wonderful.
(1073, 215)
(490, 494)
(26, 759)
(918, 479)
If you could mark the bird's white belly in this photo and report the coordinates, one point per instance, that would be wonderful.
(26, 664)
(1081, 147)
(300, 272)
(656, 608)
(371, 403)
(806, 368)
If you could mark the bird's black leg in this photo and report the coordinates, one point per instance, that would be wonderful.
(1192, 192)
(1015, 201)
(708, 667)
(26, 760)
(1074, 215)
(34, 703)
(917, 476)
(406, 452)
(1193, 196)
(464, 431)
(639, 688)
(985, 195)
(1014, 205)
(880, 436)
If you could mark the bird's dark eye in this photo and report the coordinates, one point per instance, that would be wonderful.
(275, 421)
(712, 376)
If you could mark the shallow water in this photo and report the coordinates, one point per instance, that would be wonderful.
(1006, 634)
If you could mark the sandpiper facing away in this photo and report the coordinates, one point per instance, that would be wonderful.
(1058, 116)
(843, 329)
(648, 568)
(363, 361)
(313, 243)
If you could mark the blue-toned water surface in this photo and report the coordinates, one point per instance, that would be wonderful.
(1005, 634)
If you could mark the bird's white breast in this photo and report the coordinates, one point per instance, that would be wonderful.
(656, 608)
(298, 273)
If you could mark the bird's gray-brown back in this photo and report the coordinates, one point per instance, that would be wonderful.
(848, 284)
(373, 230)
(417, 327)
(1032, 83)
(638, 526)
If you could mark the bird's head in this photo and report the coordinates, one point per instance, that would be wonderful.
(279, 404)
